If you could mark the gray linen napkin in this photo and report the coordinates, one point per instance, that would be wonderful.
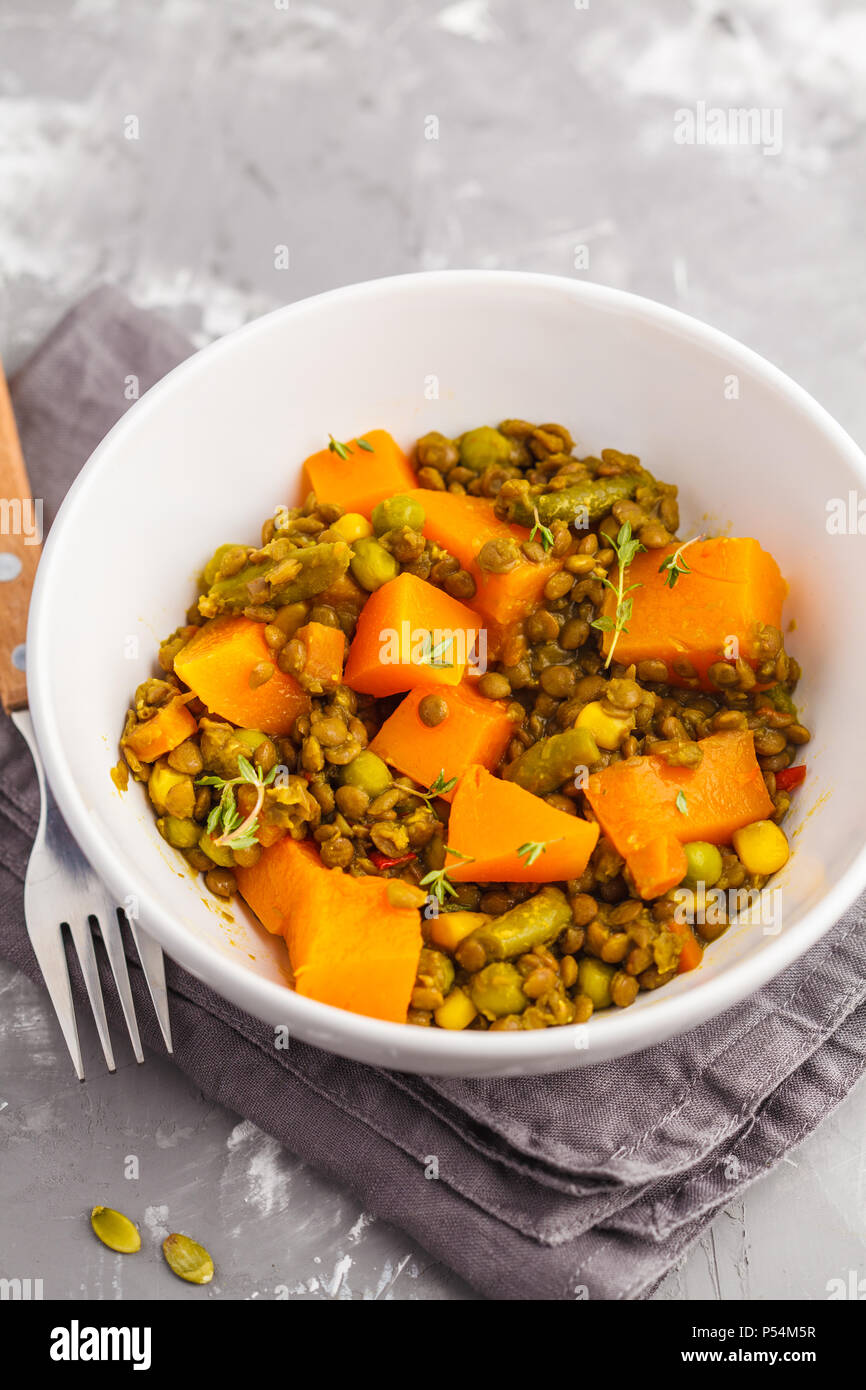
(587, 1184)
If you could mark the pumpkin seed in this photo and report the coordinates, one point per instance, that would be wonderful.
(115, 1230)
(187, 1259)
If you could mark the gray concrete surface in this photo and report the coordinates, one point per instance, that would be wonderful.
(170, 147)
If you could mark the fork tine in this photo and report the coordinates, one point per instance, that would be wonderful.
(110, 930)
(81, 935)
(60, 886)
(153, 965)
(50, 954)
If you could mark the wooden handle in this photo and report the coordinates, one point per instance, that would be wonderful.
(20, 537)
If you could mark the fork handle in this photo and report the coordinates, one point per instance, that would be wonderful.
(20, 537)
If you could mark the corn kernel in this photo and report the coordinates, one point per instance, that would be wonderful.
(163, 779)
(352, 527)
(762, 847)
(449, 928)
(608, 730)
(457, 1012)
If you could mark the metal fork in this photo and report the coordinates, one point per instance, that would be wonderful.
(60, 888)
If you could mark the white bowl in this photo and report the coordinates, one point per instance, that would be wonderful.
(217, 445)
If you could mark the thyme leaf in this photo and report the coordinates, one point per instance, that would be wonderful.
(544, 531)
(675, 565)
(625, 547)
(439, 881)
(533, 849)
(337, 447)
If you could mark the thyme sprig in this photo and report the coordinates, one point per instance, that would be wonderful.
(438, 650)
(674, 565)
(544, 531)
(438, 880)
(440, 786)
(625, 547)
(236, 832)
(336, 446)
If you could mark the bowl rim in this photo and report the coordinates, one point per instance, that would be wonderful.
(355, 1035)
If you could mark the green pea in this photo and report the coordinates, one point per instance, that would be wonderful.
(704, 864)
(183, 834)
(593, 978)
(397, 511)
(372, 565)
(484, 447)
(497, 990)
(368, 772)
(218, 853)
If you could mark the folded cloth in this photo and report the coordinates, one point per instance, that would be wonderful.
(590, 1183)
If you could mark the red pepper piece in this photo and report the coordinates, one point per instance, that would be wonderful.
(790, 777)
(382, 861)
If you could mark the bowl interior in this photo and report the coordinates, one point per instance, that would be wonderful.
(218, 446)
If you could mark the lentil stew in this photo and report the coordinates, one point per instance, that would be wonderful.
(485, 740)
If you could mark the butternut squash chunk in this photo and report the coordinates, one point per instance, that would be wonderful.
(348, 946)
(492, 820)
(217, 665)
(657, 866)
(410, 633)
(163, 731)
(733, 588)
(475, 730)
(692, 953)
(325, 648)
(365, 477)
(462, 525)
(641, 799)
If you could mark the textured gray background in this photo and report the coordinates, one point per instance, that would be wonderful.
(303, 125)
